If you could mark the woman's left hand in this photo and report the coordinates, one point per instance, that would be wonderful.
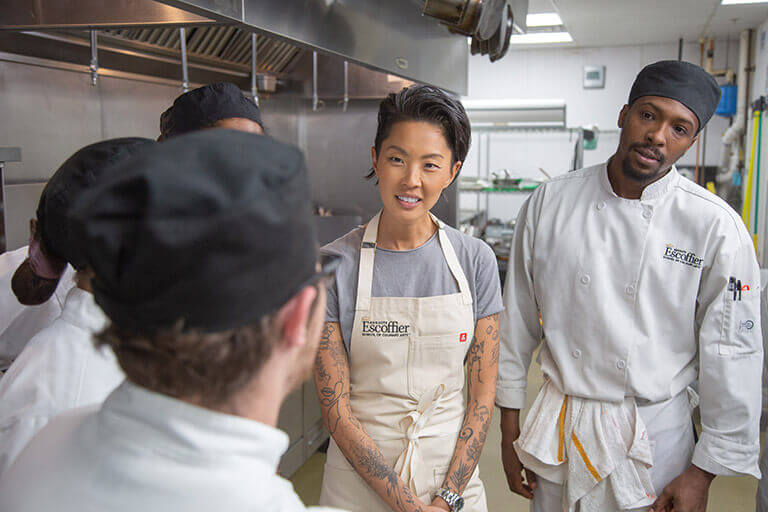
(439, 504)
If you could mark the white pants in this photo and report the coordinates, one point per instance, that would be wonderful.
(670, 428)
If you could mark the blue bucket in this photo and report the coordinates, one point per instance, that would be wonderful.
(727, 105)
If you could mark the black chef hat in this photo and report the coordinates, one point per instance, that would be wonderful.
(202, 107)
(681, 81)
(214, 228)
(80, 172)
(37, 277)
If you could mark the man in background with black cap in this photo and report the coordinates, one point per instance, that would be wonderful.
(60, 369)
(219, 105)
(638, 284)
(205, 259)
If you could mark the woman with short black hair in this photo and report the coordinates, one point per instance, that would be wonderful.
(412, 302)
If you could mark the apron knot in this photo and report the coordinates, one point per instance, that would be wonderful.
(408, 462)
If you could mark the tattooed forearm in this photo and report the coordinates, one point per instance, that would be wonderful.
(475, 357)
(482, 364)
(371, 464)
(362, 453)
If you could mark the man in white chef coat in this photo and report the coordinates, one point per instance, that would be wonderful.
(637, 284)
(205, 260)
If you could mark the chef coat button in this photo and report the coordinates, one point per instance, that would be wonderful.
(585, 279)
(600, 205)
(630, 289)
(647, 214)
(621, 364)
(576, 354)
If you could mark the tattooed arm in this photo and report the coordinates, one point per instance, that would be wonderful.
(482, 363)
(332, 382)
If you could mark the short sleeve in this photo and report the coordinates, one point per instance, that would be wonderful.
(487, 282)
(332, 302)
(331, 290)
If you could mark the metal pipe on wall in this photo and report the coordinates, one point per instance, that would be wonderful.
(732, 138)
(345, 101)
(317, 105)
(184, 63)
(94, 66)
(254, 69)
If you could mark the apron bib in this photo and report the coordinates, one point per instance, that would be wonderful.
(406, 360)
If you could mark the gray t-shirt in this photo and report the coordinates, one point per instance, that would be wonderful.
(420, 272)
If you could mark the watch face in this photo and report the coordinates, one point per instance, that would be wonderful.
(459, 504)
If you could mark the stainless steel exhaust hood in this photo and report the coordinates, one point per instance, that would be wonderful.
(397, 37)
(390, 36)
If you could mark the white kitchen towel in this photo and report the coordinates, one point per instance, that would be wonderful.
(599, 450)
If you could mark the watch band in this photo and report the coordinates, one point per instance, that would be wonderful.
(455, 501)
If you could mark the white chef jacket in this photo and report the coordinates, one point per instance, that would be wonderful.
(143, 451)
(59, 369)
(18, 323)
(635, 301)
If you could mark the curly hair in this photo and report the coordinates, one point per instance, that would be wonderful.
(180, 362)
(430, 104)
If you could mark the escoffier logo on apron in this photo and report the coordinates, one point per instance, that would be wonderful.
(385, 328)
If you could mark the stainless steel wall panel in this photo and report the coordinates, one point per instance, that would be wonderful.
(49, 114)
(338, 150)
(131, 108)
(20, 206)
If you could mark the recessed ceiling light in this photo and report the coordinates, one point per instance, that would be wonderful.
(738, 2)
(541, 38)
(543, 19)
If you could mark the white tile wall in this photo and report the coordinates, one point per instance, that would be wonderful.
(557, 73)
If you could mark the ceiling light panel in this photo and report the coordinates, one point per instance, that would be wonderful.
(541, 38)
(543, 19)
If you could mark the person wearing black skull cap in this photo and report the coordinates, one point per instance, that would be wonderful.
(219, 105)
(638, 284)
(204, 258)
(60, 369)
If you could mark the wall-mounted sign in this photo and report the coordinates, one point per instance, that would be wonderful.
(594, 77)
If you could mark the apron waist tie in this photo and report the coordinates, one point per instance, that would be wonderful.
(599, 450)
(415, 425)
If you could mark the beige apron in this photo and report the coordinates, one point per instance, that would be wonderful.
(406, 385)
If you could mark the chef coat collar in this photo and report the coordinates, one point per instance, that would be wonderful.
(653, 191)
(184, 431)
(80, 309)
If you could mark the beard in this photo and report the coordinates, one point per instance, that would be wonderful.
(637, 175)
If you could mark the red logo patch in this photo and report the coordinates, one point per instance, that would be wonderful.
(462, 337)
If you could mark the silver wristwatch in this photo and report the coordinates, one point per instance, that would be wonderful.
(455, 501)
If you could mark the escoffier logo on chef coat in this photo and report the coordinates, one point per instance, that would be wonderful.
(385, 328)
(689, 258)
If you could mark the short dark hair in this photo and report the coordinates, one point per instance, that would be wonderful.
(430, 104)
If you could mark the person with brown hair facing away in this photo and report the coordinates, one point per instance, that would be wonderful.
(205, 260)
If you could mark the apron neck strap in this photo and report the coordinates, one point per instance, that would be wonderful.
(365, 271)
(368, 251)
(453, 261)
